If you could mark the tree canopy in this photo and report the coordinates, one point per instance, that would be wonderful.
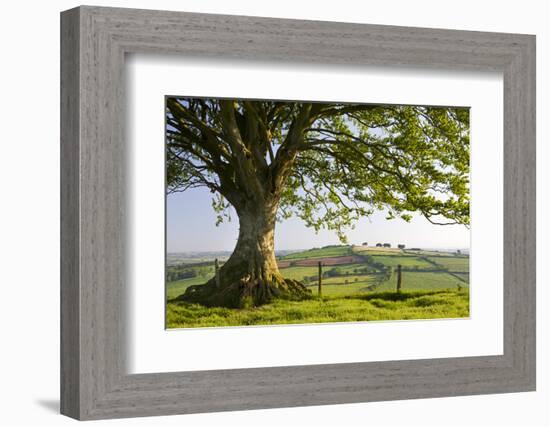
(329, 164)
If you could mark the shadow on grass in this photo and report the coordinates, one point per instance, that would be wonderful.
(420, 298)
(395, 296)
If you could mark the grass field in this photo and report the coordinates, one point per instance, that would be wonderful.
(343, 286)
(298, 273)
(351, 308)
(330, 251)
(405, 261)
(173, 289)
(455, 264)
(350, 292)
(424, 281)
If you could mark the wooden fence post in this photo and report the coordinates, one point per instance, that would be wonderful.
(320, 277)
(399, 278)
(217, 272)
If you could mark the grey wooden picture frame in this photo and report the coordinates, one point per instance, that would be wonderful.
(94, 381)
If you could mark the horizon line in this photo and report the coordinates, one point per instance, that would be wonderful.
(322, 247)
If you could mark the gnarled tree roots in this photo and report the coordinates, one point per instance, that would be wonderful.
(245, 292)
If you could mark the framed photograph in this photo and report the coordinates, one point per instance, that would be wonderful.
(261, 213)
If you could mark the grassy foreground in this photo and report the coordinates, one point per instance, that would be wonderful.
(421, 304)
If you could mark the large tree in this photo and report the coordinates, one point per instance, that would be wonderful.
(328, 164)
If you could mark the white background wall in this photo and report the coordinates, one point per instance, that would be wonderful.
(29, 212)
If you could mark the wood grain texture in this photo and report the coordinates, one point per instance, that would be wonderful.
(70, 264)
(95, 383)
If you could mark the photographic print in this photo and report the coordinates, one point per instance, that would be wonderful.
(301, 212)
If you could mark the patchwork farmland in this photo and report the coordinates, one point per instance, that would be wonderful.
(351, 269)
(358, 280)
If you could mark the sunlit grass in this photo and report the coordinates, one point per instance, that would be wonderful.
(366, 306)
(457, 264)
(411, 280)
(404, 261)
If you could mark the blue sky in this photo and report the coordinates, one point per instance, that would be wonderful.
(190, 226)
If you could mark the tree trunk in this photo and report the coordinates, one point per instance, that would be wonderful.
(250, 277)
